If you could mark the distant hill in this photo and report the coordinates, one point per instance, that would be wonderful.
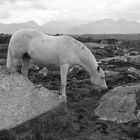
(10, 28)
(54, 27)
(104, 26)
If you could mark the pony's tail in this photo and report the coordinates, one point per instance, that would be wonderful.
(9, 63)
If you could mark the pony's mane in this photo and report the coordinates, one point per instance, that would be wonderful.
(86, 55)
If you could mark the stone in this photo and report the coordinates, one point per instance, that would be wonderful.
(114, 59)
(111, 73)
(133, 59)
(126, 58)
(21, 100)
(136, 59)
(34, 67)
(92, 45)
(44, 71)
(119, 104)
(134, 71)
(138, 114)
(75, 68)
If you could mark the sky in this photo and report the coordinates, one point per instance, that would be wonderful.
(42, 11)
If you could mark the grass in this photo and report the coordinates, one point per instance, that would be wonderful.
(3, 51)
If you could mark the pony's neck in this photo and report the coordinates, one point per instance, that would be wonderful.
(88, 61)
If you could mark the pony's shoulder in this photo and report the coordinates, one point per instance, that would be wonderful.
(69, 39)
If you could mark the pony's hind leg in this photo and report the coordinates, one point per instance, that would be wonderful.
(15, 63)
(9, 62)
(25, 64)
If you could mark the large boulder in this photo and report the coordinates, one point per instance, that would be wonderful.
(119, 104)
(21, 100)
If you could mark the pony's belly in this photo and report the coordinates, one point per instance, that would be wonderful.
(46, 60)
(43, 56)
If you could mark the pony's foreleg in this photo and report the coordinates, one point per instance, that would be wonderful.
(63, 73)
(25, 65)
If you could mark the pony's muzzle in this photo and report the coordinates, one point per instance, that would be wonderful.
(104, 85)
(99, 89)
(104, 88)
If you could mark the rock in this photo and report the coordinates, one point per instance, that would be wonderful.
(75, 68)
(119, 104)
(134, 53)
(136, 59)
(138, 115)
(114, 59)
(92, 45)
(44, 71)
(126, 58)
(134, 71)
(34, 67)
(21, 100)
(133, 59)
(111, 73)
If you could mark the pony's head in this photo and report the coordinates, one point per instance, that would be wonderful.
(97, 78)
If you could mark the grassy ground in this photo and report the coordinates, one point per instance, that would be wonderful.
(82, 100)
(3, 51)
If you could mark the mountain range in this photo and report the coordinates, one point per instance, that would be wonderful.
(103, 26)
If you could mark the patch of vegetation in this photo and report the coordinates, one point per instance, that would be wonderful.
(82, 123)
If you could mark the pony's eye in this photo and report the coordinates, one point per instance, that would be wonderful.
(98, 68)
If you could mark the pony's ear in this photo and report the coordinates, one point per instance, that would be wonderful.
(98, 68)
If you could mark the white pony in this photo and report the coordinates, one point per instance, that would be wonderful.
(61, 51)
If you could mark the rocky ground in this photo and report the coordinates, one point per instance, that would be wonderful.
(83, 99)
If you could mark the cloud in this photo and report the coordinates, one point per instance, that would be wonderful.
(4, 15)
(38, 4)
(9, 1)
(45, 10)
